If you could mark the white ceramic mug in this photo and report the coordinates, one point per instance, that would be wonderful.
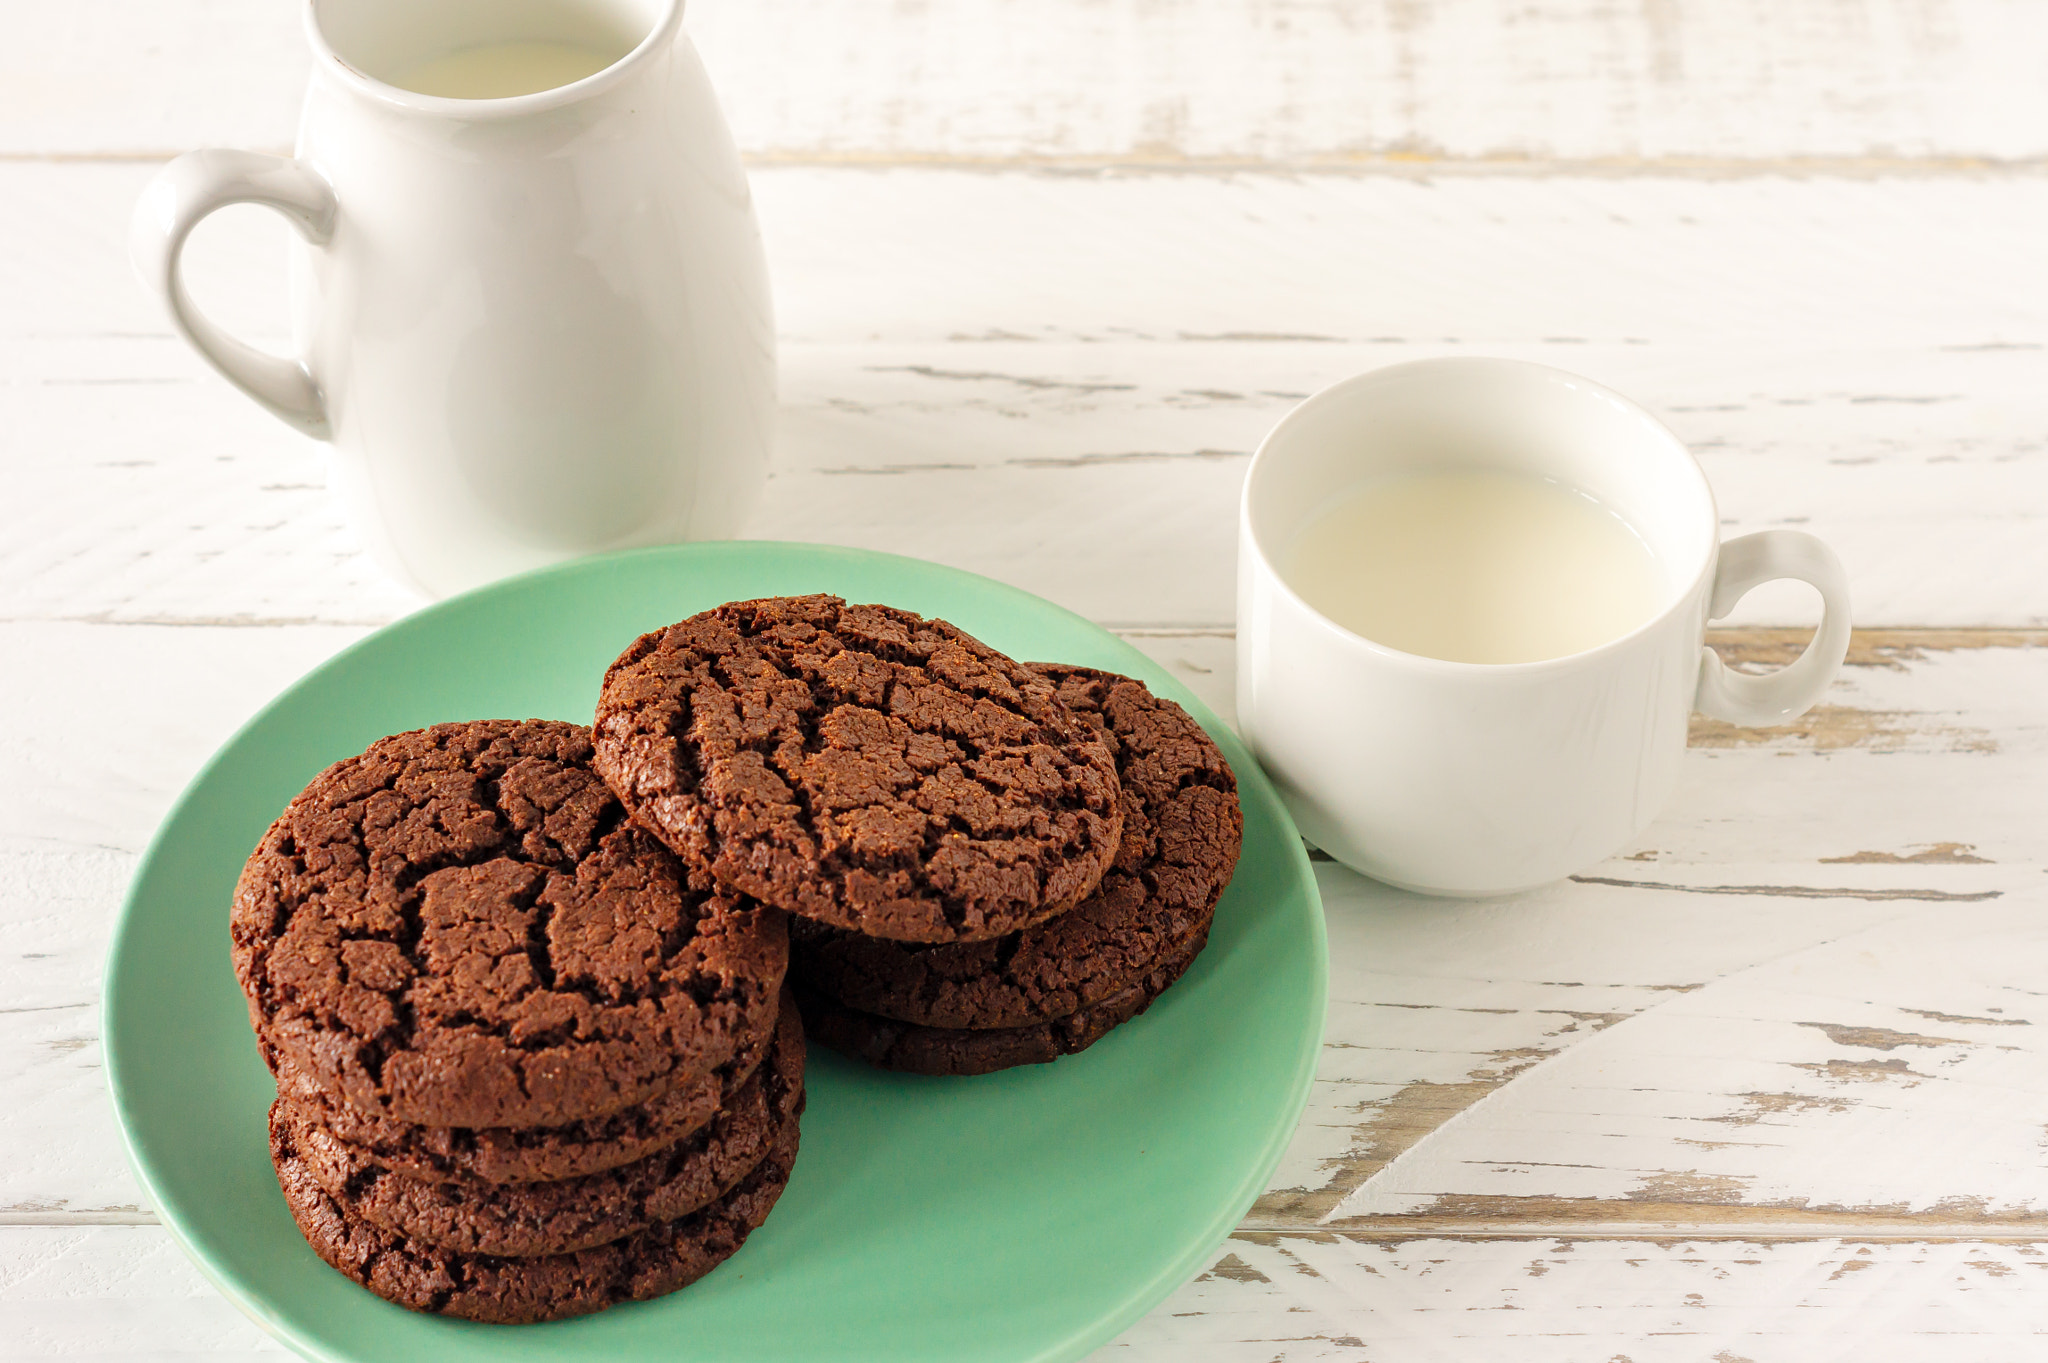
(533, 327)
(1482, 778)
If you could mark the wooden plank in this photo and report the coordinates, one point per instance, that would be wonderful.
(1885, 1077)
(126, 1293)
(65, 1164)
(1860, 358)
(1168, 82)
(104, 79)
(1568, 1300)
(1452, 1025)
(109, 1293)
(1934, 742)
(102, 727)
(1749, 868)
(1775, 845)
(1571, 79)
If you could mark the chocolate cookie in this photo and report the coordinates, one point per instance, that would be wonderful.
(461, 927)
(1182, 832)
(509, 1290)
(523, 1154)
(862, 766)
(959, 1050)
(559, 1218)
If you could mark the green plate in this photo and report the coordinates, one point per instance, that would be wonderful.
(1030, 1214)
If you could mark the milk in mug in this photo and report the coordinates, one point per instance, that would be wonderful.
(1476, 566)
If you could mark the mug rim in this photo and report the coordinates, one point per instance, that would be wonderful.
(329, 61)
(1249, 538)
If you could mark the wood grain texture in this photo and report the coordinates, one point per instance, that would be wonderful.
(1566, 1300)
(1861, 358)
(126, 1293)
(114, 1293)
(1440, 1008)
(1168, 81)
(1558, 79)
(1441, 1011)
(1817, 1081)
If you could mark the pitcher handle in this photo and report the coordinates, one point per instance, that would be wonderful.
(187, 190)
(1789, 692)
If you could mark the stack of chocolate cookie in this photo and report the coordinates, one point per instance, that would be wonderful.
(992, 863)
(522, 986)
(528, 1063)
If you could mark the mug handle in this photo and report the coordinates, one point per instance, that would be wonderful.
(1789, 692)
(187, 190)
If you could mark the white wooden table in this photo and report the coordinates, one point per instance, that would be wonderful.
(1766, 1087)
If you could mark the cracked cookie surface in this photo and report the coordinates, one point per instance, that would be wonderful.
(460, 927)
(562, 1217)
(861, 766)
(1181, 837)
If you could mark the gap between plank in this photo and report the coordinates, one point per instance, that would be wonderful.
(1731, 1228)
(1659, 1232)
(1363, 164)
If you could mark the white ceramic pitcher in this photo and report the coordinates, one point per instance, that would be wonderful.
(533, 327)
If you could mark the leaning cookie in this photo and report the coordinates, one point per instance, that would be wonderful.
(559, 1218)
(522, 1154)
(862, 766)
(1182, 834)
(508, 1290)
(904, 1046)
(461, 928)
